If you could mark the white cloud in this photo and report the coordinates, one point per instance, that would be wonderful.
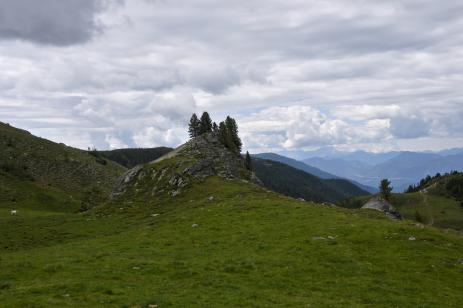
(294, 73)
(114, 142)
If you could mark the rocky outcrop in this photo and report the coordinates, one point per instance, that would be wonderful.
(197, 159)
(379, 204)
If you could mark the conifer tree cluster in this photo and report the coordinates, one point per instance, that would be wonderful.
(201, 126)
(227, 131)
(228, 134)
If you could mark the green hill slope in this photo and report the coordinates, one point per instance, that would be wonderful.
(191, 230)
(37, 171)
(243, 247)
(299, 184)
(436, 201)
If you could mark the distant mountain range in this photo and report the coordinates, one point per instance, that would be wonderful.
(402, 168)
(310, 169)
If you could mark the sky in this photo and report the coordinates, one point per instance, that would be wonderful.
(297, 75)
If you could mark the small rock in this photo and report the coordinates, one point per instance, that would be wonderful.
(412, 238)
(135, 268)
(210, 198)
(154, 215)
(331, 237)
(152, 306)
(318, 238)
(194, 225)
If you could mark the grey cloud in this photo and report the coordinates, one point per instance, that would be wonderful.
(53, 22)
(409, 127)
(363, 67)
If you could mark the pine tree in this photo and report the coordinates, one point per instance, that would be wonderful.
(385, 189)
(248, 161)
(215, 128)
(232, 129)
(230, 144)
(223, 133)
(193, 127)
(205, 123)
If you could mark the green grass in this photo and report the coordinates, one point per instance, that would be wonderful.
(27, 158)
(427, 208)
(250, 248)
(440, 211)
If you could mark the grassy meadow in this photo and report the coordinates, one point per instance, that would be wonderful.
(224, 243)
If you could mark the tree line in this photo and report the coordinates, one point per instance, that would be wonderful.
(426, 181)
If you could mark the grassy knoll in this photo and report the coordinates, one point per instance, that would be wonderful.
(248, 247)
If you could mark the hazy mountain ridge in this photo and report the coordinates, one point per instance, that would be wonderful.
(297, 183)
(310, 169)
(403, 168)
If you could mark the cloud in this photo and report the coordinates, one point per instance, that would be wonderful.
(295, 74)
(51, 22)
(114, 142)
(411, 127)
(297, 127)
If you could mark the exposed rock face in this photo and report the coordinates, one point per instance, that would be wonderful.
(379, 204)
(200, 157)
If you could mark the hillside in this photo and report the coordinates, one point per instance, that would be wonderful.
(309, 169)
(242, 247)
(36, 170)
(192, 230)
(296, 183)
(131, 157)
(438, 202)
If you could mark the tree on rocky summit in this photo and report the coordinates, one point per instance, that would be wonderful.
(222, 133)
(385, 189)
(215, 128)
(232, 129)
(194, 126)
(225, 137)
(205, 125)
(248, 161)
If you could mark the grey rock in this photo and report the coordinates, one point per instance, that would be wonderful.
(175, 193)
(124, 181)
(379, 204)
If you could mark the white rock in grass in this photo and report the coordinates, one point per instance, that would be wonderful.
(412, 238)
(194, 225)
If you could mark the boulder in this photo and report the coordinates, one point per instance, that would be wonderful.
(379, 204)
